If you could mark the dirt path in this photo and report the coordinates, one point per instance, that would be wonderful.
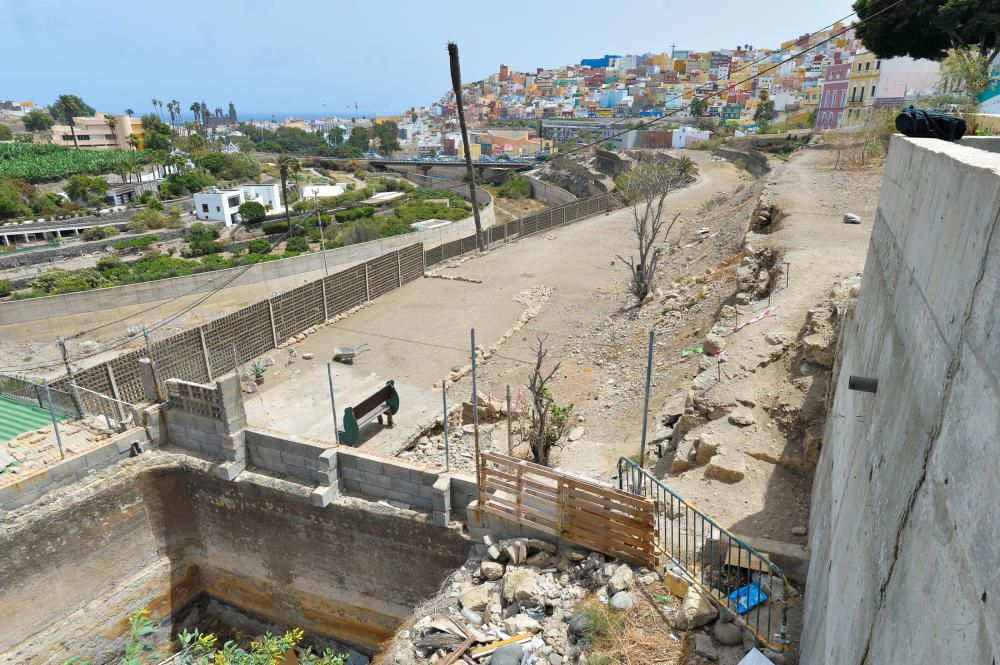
(420, 333)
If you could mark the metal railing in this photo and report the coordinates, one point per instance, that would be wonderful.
(24, 391)
(733, 575)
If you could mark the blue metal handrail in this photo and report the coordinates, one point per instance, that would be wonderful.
(731, 573)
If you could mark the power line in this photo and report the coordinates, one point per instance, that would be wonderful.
(463, 185)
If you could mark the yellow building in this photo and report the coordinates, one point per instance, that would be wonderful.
(95, 132)
(810, 98)
(865, 70)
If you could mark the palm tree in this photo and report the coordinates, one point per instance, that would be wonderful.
(129, 112)
(69, 107)
(686, 166)
(196, 109)
(133, 141)
(156, 103)
(177, 112)
(287, 164)
(113, 126)
(161, 108)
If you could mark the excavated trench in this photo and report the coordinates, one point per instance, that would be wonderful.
(234, 558)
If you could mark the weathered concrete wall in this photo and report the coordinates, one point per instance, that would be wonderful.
(159, 536)
(904, 528)
(549, 193)
(756, 161)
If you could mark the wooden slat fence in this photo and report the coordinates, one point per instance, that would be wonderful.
(600, 518)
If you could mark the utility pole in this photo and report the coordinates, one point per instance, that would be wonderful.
(456, 84)
(74, 393)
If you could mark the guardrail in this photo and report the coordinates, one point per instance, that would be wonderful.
(25, 391)
(733, 575)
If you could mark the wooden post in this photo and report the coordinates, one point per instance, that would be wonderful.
(510, 445)
(475, 413)
(204, 347)
(274, 330)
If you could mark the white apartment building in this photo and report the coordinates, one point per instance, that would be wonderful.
(219, 205)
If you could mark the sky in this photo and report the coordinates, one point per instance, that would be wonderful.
(322, 56)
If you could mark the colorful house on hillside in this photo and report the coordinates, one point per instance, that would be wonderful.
(833, 99)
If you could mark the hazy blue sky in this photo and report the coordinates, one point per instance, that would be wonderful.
(297, 55)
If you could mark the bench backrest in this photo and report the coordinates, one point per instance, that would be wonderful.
(372, 402)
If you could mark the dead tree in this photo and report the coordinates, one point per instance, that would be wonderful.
(646, 188)
(548, 420)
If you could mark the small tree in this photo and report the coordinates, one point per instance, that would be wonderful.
(252, 211)
(547, 421)
(646, 188)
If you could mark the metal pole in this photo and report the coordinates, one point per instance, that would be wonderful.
(444, 404)
(788, 268)
(55, 421)
(475, 410)
(74, 393)
(333, 403)
(322, 240)
(645, 408)
(510, 448)
(718, 358)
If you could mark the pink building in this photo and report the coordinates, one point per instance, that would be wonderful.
(830, 113)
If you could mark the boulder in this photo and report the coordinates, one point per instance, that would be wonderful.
(726, 467)
(621, 580)
(520, 584)
(818, 349)
(706, 446)
(476, 598)
(727, 634)
(742, 417)
(491, 570)
(508, 654)
(580, 623)
(713, 344)
(696, 610)
(703, 647)
(622, 601)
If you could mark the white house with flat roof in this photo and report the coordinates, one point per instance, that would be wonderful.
(219, 205)
(323, 191)
(268, 195)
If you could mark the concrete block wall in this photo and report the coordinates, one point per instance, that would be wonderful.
(903, 525)
(208, 419)
(22, 490)
(415, 485)
(292, 456)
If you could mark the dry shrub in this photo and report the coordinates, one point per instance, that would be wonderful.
(641, 636)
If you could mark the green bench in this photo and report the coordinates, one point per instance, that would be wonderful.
(385, 400)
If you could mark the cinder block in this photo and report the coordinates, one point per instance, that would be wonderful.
(377, 480)
(328, 458)
(351, 484)
(370, 465)
(440, 519)
(324, 494)
(351, 473)
(406, 486)
(229, 470)
(394, 471)
(275, 466)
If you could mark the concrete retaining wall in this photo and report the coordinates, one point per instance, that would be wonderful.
(549, 193)
(904, 529)
(158, 537)
(309, 461)
(756, 161)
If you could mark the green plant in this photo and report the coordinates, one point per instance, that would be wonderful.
(515, 187)
(296, 245)
(252, 211)
(130, 244)
(99, 232)
(6, 288)
(43, 162)
(257, 369)
(259, 246)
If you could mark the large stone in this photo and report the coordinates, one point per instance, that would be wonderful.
(622, 601)
(703, 647)
(522, 623)
(706, 446)
(621, 579)
(491, 570)
(477, 597)
(508, 654)
(675, 584)
(713, 344)
(818, 349)
(727, 634)
(696, 610)
(520, 584)
(580, 623)
(728, 468)
(742, 417)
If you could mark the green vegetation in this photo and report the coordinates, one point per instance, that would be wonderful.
(99, 232)
(133, 244)
(252, 211)
(386, 133)
(20, 199)
(352, 214)
(6, 288)
(929, 28)
(202, 240)
(66, 106)
(197, 648)
(86, 189)
(36, 162)
(238, 166)
(259, 246)
(6, 133)
(515, 187)
(37, 121)
(188, 182)
(296, 245)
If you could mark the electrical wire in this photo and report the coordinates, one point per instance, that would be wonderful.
(550, 158)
